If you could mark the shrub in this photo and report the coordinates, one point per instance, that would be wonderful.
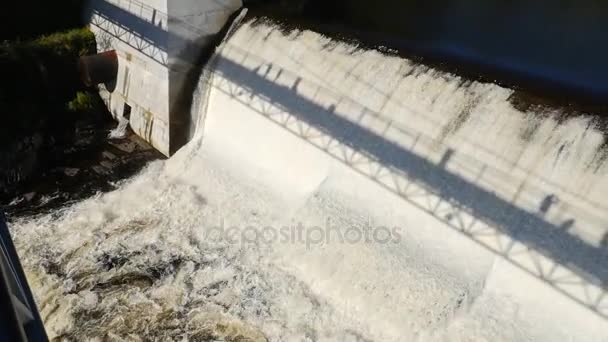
(76, 42)
(40, 80)
(83, 102)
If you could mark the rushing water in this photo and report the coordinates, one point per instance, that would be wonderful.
(542, 45)
(333, 193)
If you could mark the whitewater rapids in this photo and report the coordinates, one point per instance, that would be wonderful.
(406, 184)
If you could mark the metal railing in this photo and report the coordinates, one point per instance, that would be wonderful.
(19, 317)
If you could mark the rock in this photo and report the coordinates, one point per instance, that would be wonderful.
(70, 172)
(127, 146)
(108, 155)
(29, 196)
(107, 164)
(143, 145)
(100, 170)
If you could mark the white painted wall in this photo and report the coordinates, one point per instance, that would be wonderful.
(148, 35)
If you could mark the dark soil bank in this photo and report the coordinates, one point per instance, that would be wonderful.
(92, 163)
(53, 137)
(41, 98)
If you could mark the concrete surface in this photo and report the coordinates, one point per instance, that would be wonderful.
(157, 44)
(339, 194)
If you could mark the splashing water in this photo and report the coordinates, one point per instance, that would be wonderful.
(120, 131)
(338, 194)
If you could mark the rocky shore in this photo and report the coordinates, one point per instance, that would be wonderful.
(94, 163)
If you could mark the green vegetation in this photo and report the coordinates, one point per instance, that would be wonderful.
(41, 97)
(73, 42)
(39, 78)
(83, 102)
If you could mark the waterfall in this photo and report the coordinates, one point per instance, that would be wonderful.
(337, 193)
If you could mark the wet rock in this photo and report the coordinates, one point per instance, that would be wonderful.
(142, 144)
(29, 196)
(107, 164)
(100, 170)
(108, 155)
(70, 172)
(57, 175)
(125, 146)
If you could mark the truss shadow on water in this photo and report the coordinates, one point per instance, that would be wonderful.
(388, 98)
(548, 251)
(145, 29)
(545, 250)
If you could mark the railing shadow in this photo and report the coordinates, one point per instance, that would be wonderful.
(546, 250)
(570, 265)
(148, 30)
(139, 33)
(171, 41)
(144, 29)
(389, 98)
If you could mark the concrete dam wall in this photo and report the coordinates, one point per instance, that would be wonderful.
(158, 43)
(161, 47)
(334, 193)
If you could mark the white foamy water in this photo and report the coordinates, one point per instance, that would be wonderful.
(361, 198)
(120, 131)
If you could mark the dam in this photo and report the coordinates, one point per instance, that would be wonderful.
(317, 190)
(158, 44)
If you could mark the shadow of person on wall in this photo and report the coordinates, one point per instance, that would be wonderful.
(546, 204)
(567, 225)
(446, 158)
(432, 175)
(604, 242)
